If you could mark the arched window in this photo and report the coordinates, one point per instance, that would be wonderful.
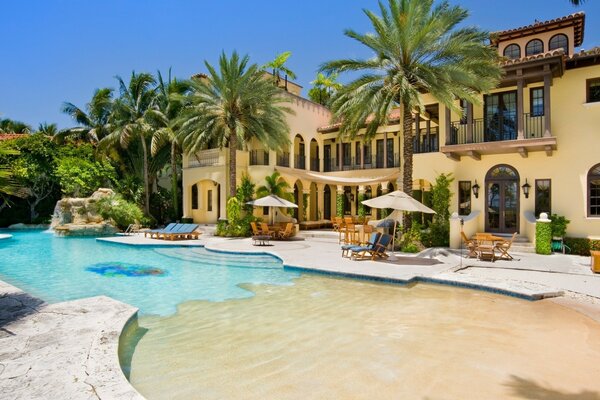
(593, 182)
(559, 41)
(534, 46)
(512, 51)
(194, 197)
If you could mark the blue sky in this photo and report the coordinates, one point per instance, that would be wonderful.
(62, 50)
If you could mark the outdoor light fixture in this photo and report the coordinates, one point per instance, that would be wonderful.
(526, 186)
(476, 189)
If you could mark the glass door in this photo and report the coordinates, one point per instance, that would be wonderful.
(501, 116)
(502, 200)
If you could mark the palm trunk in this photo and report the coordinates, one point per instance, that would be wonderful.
(407, 155)
(146, 178)
(174, 179)
(232, 162)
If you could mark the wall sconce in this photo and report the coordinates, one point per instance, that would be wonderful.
(476, 189)
(526, 186)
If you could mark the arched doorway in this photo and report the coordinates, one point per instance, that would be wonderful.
(502, 199)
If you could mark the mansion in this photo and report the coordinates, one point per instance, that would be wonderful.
(531, 145)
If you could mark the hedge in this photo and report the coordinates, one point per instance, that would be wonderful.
(582, 246)
(543, 238)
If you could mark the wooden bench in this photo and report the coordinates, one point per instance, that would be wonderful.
(595, 261)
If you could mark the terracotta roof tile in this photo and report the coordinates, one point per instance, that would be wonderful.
(548, 54)
(577, 19)
(11, 136)
(394, 116)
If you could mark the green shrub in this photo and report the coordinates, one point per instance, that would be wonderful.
(339, 203)
(582, 246)
(120, 211)
(238, 222)
(559, 225)
(543, 238)
(411, 240)
(439, 228)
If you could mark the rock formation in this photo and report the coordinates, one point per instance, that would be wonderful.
(79, 217)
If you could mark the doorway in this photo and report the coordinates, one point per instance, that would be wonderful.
(502, 200)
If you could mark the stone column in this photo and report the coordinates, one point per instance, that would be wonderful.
(361, 197)
(306, 211)
(385, 163)
(339, 202)
(547, 108)
(427, 136)
(321, 157)
(448, 125)
(320, 200)
(469, 122)
(455, 229)
(520, 108)
(384, 189)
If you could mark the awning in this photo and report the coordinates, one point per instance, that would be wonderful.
(338, 180)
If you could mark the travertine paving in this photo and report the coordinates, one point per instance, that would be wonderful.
(61, 351)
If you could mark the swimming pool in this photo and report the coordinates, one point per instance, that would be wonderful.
(155, 280)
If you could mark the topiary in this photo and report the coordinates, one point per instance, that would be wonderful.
(543, 238)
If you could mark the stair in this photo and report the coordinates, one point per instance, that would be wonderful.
(520, 245)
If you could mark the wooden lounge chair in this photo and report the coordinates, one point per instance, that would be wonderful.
(377, 250)
(255, 230)
(471, 245)
(370, 243)
(287, 233)
(265, 229)
(504, 247)
(157, 232)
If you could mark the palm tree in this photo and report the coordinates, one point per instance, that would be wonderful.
(231, 106)
(577, 2)
(93, 122)
(11, 126)
(164, 117)
(47, 129)
(274, 184)
(324, 86)
(277, 65)
(130, 121)
(418, 48)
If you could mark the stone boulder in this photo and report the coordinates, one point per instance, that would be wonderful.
(79, 217)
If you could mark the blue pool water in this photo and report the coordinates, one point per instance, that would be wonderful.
(155, 280)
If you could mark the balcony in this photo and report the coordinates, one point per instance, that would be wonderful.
(497, 135)
(354, 163)
(426, 144)
(299, 161)
(283, 160)
(259, 157)
(314, 164)
(207, 158)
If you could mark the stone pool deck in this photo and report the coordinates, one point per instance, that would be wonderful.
(61, 351)
(70, 350)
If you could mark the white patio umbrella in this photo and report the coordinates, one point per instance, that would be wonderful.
(272, 201)
(398, 201)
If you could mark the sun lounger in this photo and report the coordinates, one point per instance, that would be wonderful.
(377, 250)
(157, 232)
(371, 243)
(184, 231)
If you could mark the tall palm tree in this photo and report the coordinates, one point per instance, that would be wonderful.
(164, 116)
(417, 48)
(274, 184)
(277, 66)
(129, 121)
(230, 106)
(93, 123)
